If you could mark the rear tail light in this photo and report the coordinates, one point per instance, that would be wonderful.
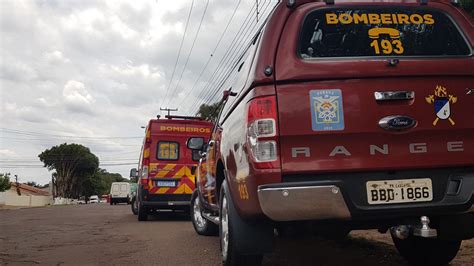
(262, 131)
(144, 173)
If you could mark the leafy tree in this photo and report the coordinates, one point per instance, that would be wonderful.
(74, 166)
(106, 180)
(468, 5)
(91, 186)
(208, 112)
(4, 182)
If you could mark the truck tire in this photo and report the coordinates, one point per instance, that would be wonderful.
(134, 206)
(201, 225)
(242, 242)
(142, 212)
(427, 251)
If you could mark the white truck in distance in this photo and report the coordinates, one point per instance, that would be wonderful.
(120, 192)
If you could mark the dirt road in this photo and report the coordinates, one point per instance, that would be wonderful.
(106, 235)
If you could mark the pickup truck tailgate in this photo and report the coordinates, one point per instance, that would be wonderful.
(334, 125)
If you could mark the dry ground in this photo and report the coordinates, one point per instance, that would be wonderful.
(106, 235)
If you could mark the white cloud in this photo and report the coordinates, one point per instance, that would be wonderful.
(77, 97)
(99, 68)
(14, 70)
(8, 154)
(56, 57)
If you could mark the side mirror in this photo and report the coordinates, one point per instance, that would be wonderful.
(133, 172)
(195, 143)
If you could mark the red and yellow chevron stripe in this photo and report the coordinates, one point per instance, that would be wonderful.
(186, 180)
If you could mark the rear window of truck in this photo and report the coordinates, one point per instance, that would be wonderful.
(168, 150)
(380, 31)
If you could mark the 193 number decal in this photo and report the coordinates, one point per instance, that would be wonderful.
(387, 46)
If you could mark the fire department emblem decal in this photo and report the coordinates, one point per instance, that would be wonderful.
(442, 101)
(326, 110)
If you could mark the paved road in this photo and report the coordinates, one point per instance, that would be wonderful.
(105, 235)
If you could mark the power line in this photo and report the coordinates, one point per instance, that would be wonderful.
(223, 72)
(40, 166)
(212, 93)
(212, 54)
(33, 133)
(35, 161)
(179, 52)
(191, 50)
(208, 95)
(224, 58)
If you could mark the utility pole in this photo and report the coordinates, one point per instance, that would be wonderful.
(52, 187)
(18, 191)
(169, 110)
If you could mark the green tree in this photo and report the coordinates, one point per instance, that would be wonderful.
(4, 182)
(106, 180)
(208, 112)
(468, 5)
(74, 166)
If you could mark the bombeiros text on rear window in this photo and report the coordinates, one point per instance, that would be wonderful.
(380, 31)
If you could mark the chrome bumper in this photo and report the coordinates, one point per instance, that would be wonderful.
(303, 203)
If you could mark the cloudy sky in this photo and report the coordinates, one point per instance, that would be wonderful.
(93, 72)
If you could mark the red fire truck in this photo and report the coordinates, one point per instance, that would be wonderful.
(164, 171)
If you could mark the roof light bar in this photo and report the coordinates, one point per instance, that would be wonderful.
(183, 117)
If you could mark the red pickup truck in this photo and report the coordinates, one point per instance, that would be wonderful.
(346, 115)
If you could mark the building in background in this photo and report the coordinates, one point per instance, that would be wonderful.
(23, 195)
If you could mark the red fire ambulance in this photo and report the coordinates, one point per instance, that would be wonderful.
(165, 177)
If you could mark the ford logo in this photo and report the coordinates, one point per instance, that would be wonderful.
(397, 122)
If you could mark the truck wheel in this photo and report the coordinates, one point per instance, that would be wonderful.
(142, 212)
(242, 242)
(201, 225)
(134, 206)
(427, 251)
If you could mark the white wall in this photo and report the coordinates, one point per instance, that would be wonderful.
(11, 198)
(2, 197)
(39, 201)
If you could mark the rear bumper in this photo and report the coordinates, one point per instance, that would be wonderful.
(287, 203)
(164, 201)
(165, 204)
(120, 199)
(344, 198)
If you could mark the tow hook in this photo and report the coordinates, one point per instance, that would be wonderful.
(400, 231)
(425, 230)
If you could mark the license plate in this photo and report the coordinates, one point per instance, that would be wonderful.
(399, 191)
(165, 183)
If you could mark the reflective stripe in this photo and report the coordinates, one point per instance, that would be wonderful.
(183, 174)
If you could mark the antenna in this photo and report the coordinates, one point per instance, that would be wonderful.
(257, 10)
(169, 110)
